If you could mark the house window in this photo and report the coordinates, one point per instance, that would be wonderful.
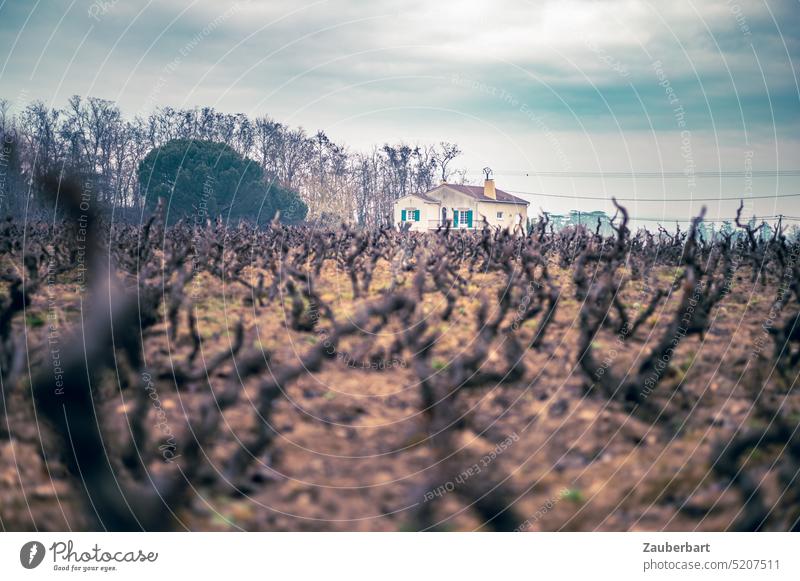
(410, 215)
(499, 215)
(462, 218)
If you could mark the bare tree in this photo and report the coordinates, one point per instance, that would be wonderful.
(447, 152)
(92, 140)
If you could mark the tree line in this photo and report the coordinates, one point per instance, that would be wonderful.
(90, 138)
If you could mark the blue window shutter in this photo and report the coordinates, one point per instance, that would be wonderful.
(469, 218)
(455, 217)
(402, 215)
(416, 215)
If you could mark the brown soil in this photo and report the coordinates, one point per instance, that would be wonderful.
(353, 454)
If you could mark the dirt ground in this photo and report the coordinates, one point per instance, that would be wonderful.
(351, 450)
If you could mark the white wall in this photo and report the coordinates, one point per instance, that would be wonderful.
(510, 211)
(455, 199)
(428, 212)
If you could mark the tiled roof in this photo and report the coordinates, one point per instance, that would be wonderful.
(477, 193)
(425, 197)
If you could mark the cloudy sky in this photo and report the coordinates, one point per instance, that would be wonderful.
(572, 93)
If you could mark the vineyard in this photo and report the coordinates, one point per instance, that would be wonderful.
(216, 376)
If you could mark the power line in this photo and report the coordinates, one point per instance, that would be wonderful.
(655, 174)
(666, 220)
(608, 198)
(717, 221)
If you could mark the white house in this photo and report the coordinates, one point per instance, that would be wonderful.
(464, 207)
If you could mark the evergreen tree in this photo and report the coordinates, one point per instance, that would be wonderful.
(204, 179)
